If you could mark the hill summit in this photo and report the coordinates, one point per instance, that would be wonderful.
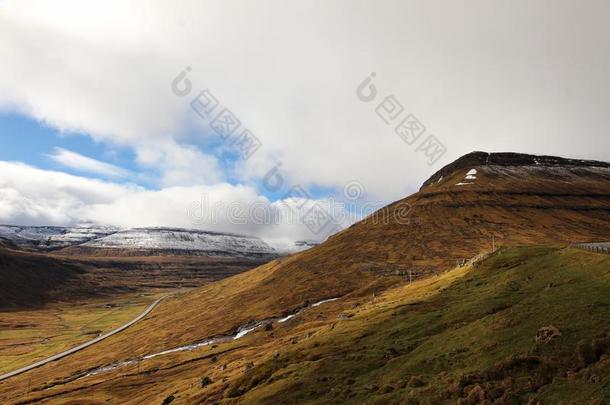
(477, 203)
(511, 159)
(361, 315)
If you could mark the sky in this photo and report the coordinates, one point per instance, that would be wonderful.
(232, 115)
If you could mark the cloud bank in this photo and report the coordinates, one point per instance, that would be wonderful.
(479, 75)
(86, 164)
(31, 196)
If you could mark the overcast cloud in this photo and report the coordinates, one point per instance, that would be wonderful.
(526, 76)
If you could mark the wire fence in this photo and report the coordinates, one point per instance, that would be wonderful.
(598, 247)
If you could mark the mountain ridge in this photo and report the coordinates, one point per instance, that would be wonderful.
(103, 240)
(479, 158)
(426, 237)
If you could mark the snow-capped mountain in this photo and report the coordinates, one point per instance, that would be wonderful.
(52, 237)
(177, 240)
(108, 240)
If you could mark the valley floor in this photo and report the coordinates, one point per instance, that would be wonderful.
(27, 336)
(523, 325)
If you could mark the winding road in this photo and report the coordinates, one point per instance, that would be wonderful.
(84, 345)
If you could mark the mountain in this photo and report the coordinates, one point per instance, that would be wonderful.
(425, 300)
(480, 201)
(27, 279)
(520, 164)
(51, 237)
(520, 201)
(177, 241)
(509, 331)
(40, 265)
(109, 241)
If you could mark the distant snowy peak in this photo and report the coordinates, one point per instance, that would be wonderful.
(52, 237)
(139, 240)
(79, 235)
(182, 240)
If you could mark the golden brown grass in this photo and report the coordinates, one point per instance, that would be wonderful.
(27, 336)
(448, 224)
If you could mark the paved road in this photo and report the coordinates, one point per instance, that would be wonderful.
(82, 346)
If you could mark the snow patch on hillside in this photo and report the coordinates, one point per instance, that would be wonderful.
(469, 178)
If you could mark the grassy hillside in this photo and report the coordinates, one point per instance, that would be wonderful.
(452, 334)
(27, 280)
(33, 280)
(467, 336)
(27, 335)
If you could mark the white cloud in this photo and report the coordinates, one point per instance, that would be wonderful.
(480, 75)
(32, 196)
(180, 165)
(86, 164)
(36, 197)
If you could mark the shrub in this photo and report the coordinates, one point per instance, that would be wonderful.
(168, 400)
(205, 381)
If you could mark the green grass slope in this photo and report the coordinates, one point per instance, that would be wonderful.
(469, 337)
